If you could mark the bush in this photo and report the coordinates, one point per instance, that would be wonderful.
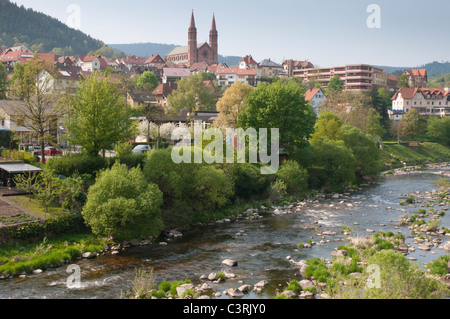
(164, 286)
(249, 182)
(317, 269)
(439, 266)
(122, 204)
(294, 286)
(333, 167)
(294, 177)
(80, 163)
(401, 279)
(198, 189)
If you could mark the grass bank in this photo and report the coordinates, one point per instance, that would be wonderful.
(394, 154)
(17, 259)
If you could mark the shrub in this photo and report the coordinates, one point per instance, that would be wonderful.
(122, 204)
(164, 286)
(294, 286)
(79, 163)
(278, 191)
(439, 266)
(294, 177)
(317, 269)
(249, 182)
(401, 279)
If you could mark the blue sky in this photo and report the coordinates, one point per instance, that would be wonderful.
(325, 32)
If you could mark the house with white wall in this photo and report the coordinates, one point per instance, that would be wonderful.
(317, 99)
(428, 101)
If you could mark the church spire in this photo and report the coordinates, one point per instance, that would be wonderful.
(213, 40)
(192, 26)
(213, 25)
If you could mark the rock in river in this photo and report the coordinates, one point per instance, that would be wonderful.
(230, 263)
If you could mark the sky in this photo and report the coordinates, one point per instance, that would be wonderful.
(324, 32)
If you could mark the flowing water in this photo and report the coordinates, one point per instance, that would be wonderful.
(260, 246)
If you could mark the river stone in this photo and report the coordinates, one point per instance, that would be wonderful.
(403, 248)
(261, 284)
(245, 288)
(305, 283)
(234, 293)
(307, 295)
(448, 266)
(181, 291)
(339, 253)
(212, 276)
(289, 294)
(205, 287)
(89, 255)
(329, 233)
(204, 297)
(37, 271)
(230, 263)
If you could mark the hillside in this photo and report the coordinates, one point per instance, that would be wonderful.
(149, 49)
(40, 32)
(433, 68)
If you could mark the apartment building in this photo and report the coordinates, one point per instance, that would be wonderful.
(356, 77)
(428, 101)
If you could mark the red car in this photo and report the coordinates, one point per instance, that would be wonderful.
(51, 150)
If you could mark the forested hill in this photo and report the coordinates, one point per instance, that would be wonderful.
(433, 68)
(40, 32)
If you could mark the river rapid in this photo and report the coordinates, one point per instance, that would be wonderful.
(260, 246)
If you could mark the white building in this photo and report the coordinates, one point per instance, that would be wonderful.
(316, 98)
(428, 101)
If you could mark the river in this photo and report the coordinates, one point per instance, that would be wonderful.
(261, 249)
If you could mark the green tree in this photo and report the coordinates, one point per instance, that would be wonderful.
(38, 105)
(280, 105)
(438, 129)
(192, 94)
(99, 116)
(404, 81)
(148, 80)
(413, 124)
(336, 85)
(328, 125)
(333, 165)
(3, 75)
(365, 151)
(123, 204)
(231, 104)
(294, 177)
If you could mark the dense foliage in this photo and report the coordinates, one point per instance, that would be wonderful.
(122, 204)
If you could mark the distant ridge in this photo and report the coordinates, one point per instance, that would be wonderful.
(433, 68)
(149, 49)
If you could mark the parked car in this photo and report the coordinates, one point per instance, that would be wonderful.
(141, 149)
(51, 150)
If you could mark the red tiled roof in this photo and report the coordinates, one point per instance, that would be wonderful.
(310, 94)
(249, 60)
(155, 59)
(409, 93)
(88, 58)
(132, 60)
(236, 70)
(165, 89)
(419, 72)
